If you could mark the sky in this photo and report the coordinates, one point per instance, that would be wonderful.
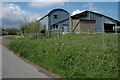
(16, 13)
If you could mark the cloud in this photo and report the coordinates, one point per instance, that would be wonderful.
(46, 4)
(88, 5)
(13, 15)
(93, 8)
(77, 12)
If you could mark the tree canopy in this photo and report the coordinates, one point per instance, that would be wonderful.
(32, 27)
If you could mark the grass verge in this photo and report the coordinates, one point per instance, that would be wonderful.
(73, 55)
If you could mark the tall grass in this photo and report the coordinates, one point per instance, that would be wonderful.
(73, 55)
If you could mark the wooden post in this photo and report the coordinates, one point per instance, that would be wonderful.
(48, 33)
(115, 28)
(58, 32)
(22, 34)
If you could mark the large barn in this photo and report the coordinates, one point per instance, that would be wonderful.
(92, 22)
(56, 21)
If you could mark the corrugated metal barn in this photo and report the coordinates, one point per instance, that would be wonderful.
(56, 21)
(91, 22)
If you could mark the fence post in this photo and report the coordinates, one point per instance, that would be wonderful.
(58, 32)
(115, 28)
(48, 33)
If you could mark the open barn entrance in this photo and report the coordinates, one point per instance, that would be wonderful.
(109, 28)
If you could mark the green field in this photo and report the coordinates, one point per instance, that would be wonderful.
(73, 55)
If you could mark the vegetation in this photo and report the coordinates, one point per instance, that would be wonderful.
(32, 29)
(118, 30)
(10, 31)
(73, 55)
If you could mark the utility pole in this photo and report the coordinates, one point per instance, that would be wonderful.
(70, 27)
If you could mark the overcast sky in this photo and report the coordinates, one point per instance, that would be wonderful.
(16, 13)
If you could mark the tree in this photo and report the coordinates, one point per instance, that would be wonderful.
(10, 31)
(33, 27)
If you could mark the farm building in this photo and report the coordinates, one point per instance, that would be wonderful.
(56, 21)
(91, 22)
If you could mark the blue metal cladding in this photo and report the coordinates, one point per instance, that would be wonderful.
(84, 18)
(44, 22)
(99, 22)
(58, 17)
(109, 21)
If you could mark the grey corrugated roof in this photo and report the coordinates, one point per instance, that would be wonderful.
(82, 14)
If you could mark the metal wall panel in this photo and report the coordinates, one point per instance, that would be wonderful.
(84, 18)
(62, 19)
(62, 15)
(99, 22)
(109, 21)
(44, 21)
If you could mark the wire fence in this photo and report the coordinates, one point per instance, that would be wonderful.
(92, 41)
(87, 43)
(36, 35)
(60, 32)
